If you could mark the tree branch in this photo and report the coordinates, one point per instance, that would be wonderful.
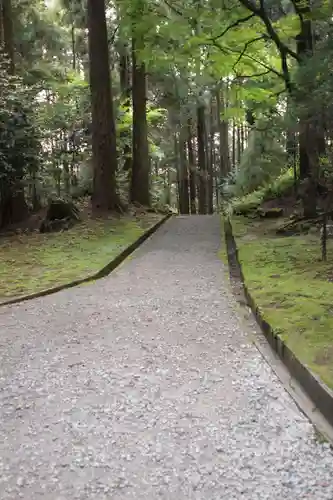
(233, 25)
(241, 78)
(261, 37)
(220, 47)
(269, 68)
(262, 14)
(227, 50)
(173, 8)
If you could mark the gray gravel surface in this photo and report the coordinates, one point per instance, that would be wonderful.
(144, 386)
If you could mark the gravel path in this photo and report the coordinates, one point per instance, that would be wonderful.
(144, 386)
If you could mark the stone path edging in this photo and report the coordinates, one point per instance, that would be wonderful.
(111, 266)
(316, 390)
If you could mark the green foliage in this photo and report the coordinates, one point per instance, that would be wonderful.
(188, 49)
(19, 136)
(261, 162)
(247, 204)
(280, 186)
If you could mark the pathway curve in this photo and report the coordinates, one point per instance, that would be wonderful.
(144, 386)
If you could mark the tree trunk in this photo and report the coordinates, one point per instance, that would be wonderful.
(67, 177)
(73, 44)
(104, 147)
(183, 176)
(35, 198)
(167, 178)
(291, 147)
(7, 33)
(125, 87)
(242, 138)
(308, 144)
(13, 206)
(177, 167)
(239, 145)
(304, 47)
(234, 164)
(2, 36)
(192, 170)
(202, 159)
(140, 180)
(210, 149)
(224, 136)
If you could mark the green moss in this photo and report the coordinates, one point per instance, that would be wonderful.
(247, 204)
(270, 213)
(292, 287)
(30, 263)
(280, 186)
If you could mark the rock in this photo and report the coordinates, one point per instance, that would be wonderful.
(246, 210)
(60, 216)
(56, 225)
(61, 209)
(270, 213)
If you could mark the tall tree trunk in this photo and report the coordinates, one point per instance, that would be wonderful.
(234, 163)
(125, 87)
(202, 164)
(210, 149)
(304, 45)
(239, 145)
(104, 147)
(183, 175)
(177, 166)
(140, 180)
(7, 33)
(224, 136)
(201, 121)
(65, 163)
(35, 197)
(192, 169)
(308, 130)
(167, 177)
(13, 206)
(73, 43)
(217, 188)
(291, 147)
(2, 36)
(242, 138)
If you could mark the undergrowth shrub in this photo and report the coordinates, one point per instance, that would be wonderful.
(263, 161)
(244, 205)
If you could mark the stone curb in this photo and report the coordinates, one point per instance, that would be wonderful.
(111, 266)
(320, 395)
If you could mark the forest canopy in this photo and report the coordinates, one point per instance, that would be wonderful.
(162, 103)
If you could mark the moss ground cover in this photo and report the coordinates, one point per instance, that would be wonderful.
(292, 287)
(34, 262)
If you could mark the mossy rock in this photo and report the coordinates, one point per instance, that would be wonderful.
(52, 226)
(270, 213)
(61, 209)
(61, 215)
(246, 210)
